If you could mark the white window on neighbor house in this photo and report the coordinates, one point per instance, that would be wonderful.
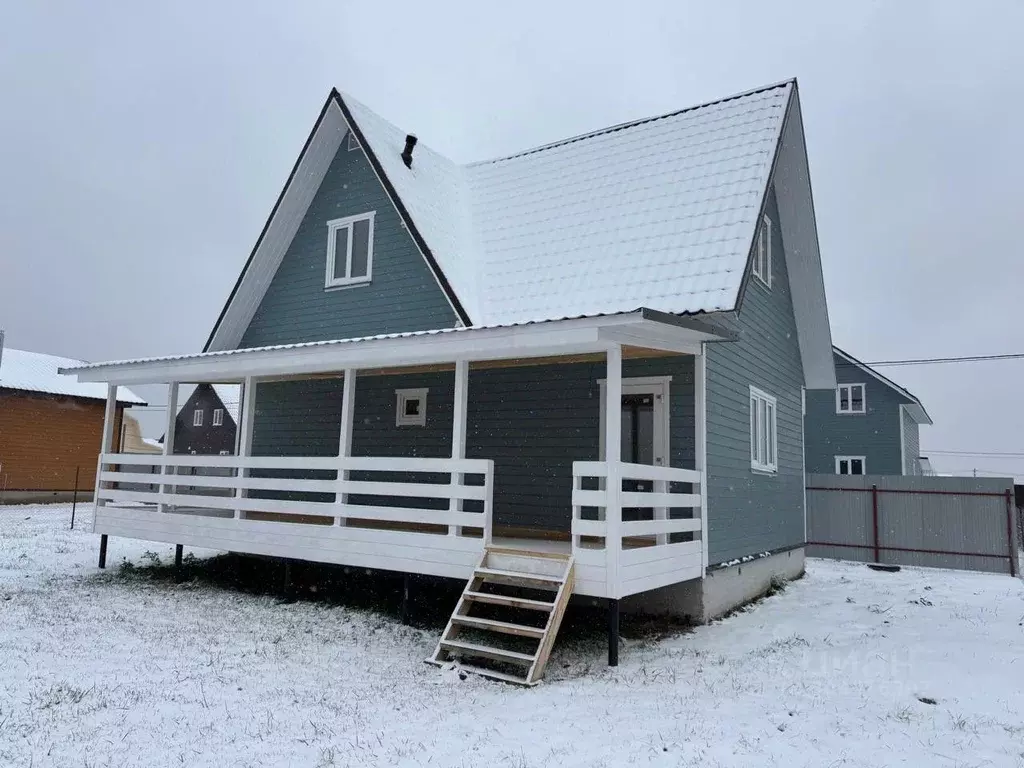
(763, 252)
(225, 453)
(218, 417)
(197, 417)
(850, 398)
(410, 407)
(763, 440)
(349, 251)
(851, 465)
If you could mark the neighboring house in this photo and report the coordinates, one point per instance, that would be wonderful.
(868, 426)
(50, 427)
(207, 421)
(595, 348)
(132, 440)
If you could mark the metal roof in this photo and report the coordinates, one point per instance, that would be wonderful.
(36, 372)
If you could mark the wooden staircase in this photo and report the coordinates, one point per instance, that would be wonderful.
(519, 597)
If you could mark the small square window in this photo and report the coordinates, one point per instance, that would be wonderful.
(225, 453)
(410, 407)
(850, 465)
(218, 417)
(763, 252)
(197, 418)
(349, 251)
(850, 398)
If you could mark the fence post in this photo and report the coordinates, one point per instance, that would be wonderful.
(874, 519)
(1009, 533)
(74, 499)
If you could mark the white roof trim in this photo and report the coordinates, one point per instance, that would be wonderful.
(914, 408)
(542, 339)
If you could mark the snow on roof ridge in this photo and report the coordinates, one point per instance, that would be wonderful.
(631, 124)
(27, 371)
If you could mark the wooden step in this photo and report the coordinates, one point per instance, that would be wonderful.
(507, 600)
(494, 674)
(563, 556)
(519, 579)
(487, 652)
(505, 627)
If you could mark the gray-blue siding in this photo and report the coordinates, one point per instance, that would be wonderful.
(874, 435)
(403, 295)
(533, 421)
(751, 512)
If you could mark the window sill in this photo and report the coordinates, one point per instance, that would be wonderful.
(851, 413)
(767, 471)
(764, 283)
(343, 286)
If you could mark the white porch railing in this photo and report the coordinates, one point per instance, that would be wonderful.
(406, 520)
(617, 557)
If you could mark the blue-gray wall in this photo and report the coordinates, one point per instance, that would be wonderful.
(533, 421)
(874, 435)
(751, 512)
(403, 295)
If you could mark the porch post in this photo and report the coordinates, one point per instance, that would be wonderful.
(459, 406)
(169, 427)
(243, 436)
(348, 410)
(106, 446)
(700, 453)
(613, 457)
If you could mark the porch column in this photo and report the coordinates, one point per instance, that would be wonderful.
(613, 489)
(169, 428)
(348, 411)
(459, 406)
(700, 443)
(106, 446)
(243, 436)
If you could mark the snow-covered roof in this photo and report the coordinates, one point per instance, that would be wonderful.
(229, 395)
(36, 372)
(659, 212)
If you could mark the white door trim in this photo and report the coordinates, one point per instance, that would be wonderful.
(659, 388)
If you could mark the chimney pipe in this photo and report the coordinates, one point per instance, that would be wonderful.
(410, 142)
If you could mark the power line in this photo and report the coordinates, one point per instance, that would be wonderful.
(980, 454)
(935, 360)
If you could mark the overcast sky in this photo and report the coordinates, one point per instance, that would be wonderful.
(142, 148)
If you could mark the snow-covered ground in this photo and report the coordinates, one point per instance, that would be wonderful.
(103, 668)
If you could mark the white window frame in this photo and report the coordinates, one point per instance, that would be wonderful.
(762, 268)
(218, 417)
(849, 398)
(849, 459)
(197, 417)
(403, 396)
(225, 453)
(768, 460)
(333, 227)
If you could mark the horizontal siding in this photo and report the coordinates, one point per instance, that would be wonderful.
(403, 295)
(911, 445)
(750, 512)
(874, 435)
(533, 421)
(43, 439)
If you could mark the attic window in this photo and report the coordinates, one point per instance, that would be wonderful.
(197, 418)
(763, 252)
(410, 407)
(218, 417)
(349, 250)
(850, 399)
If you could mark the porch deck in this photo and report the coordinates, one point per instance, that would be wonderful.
(393, 514)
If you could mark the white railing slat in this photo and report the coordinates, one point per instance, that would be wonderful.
(651, 527)
(650, 499)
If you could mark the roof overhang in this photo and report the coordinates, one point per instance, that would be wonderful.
(571, 336)
(913, 408)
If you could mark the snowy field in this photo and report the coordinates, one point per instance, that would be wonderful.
(847, 667)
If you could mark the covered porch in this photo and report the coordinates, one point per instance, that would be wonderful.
(423, 486)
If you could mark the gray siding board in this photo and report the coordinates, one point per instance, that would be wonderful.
(533, 421)
(751, 512)
(403, 295)
(874, 435)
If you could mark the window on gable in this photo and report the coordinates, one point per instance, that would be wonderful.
(850, 465)
(349, 250)
(763, 252)
(197, 418)
(850, 398)
(218, 417)
(410, 407)
(763, 440)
